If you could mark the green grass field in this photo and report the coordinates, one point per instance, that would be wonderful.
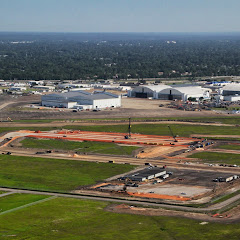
(225, 138)
(87, 147)
(228, 147)
(217, 157)
(16, 200)
(162, 129)
(73, 219)
(54, 174)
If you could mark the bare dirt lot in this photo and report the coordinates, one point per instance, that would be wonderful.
(135, 139)
(133, 107)
(228, 217)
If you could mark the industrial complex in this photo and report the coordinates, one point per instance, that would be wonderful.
(163, 170)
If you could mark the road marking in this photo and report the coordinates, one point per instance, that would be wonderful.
(27, 205)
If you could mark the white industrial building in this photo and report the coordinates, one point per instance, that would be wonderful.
(82, 100)
(231, 92)
(165, 92)
(146, 91)
(185, 92)
(46, 88)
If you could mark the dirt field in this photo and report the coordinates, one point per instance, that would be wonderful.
(227, 217)
(136, 139)
(133, 107)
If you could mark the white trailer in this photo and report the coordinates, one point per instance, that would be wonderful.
(165, 176)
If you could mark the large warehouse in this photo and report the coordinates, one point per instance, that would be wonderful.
(231, 92)
(184, 93)
(82, 100)
(165, 92)
(146, 91)
(231, 89)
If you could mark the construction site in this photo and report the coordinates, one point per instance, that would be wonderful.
(161, 174)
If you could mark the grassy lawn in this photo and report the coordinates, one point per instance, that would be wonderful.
(81, 219)
(225, 138)
(54, 174)
(93, 147)
(215, 157)
(218, 119)
(1, 192)
(17, 200)
(162, 129)
(228, 147)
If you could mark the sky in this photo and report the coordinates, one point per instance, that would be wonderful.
(120, 15)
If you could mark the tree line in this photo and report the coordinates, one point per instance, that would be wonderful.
(121, 59)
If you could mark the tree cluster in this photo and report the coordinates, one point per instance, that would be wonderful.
(127, 58)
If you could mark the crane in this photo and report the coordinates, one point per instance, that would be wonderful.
(174, 137)
(129, 130)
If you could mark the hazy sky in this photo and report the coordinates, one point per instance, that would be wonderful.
(120, 15)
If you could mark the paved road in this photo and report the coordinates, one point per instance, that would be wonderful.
(5, 104)
(131, 202)
(6, 194)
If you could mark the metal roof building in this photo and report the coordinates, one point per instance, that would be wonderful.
(185, 92)
(145, 174)
(80, 98)
(231, 89)
(166, 92)
(146, 91)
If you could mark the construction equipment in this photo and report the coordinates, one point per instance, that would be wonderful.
(174, 136)
(9, 119)
(129, 130)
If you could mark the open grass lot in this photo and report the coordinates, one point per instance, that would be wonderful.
(219, 119)
(54, 174)
(16, 200)
(93, 147)
(228, 147)
(81, 219)
(217, 157)
(162, 129)
(225, 138)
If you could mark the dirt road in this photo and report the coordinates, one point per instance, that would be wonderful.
(104, 122)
